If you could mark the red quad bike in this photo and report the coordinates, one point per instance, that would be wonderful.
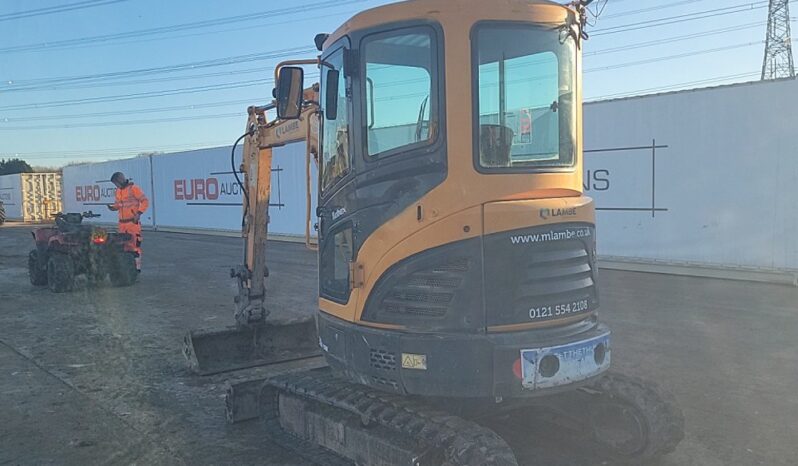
(72, 248)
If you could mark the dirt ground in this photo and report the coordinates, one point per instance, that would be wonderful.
(96, 376)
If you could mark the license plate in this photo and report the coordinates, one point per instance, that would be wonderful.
(565, 364)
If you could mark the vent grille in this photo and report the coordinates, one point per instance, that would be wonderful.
(429, 292)
(384, 360)
(564, 270)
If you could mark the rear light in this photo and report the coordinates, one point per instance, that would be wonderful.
(99, 236)
(517, 369)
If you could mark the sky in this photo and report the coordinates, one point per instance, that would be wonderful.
(222, 61)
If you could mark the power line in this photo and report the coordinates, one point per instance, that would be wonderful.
(140, 95)
(237, 28)
(112, 152)
(178, 27)
(186, 108)
(126, 123)
(671, 57)
(649, 9)
(57, 9)
(679, 19)
(144, 95)
(99, 84)
(669, 40)
(36, 83)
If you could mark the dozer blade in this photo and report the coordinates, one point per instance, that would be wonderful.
(215, 351)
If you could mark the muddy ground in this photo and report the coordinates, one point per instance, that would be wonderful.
(97, 377)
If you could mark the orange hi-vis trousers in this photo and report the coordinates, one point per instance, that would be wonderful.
(134, 245)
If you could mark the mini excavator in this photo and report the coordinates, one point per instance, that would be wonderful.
(457, 251)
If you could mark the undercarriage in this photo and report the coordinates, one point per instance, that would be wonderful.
(327, 420)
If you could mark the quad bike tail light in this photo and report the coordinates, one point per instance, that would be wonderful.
(99, 236)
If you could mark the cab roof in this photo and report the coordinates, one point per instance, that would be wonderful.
(463, 11)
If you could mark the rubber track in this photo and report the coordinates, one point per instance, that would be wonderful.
(308, 451)
(464, 443)
(663, 417)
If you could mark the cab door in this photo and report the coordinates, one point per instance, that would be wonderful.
(336, 176)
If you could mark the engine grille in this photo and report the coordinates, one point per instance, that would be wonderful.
(553, 274)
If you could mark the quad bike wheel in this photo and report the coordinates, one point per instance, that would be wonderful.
(123, 270)
(60, 273)
(36, 273)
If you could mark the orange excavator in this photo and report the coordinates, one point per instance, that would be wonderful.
(457, 252)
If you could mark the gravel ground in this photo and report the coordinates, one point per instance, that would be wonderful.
(96, 376)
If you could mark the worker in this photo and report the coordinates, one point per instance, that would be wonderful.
(131, 203)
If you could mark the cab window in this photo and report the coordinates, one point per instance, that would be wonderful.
(524, 95)
(400, 90)
(334, 266)
(335, 121)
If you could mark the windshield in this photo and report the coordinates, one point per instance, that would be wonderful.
(525, 85)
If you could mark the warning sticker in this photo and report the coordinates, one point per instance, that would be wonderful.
(414, 361)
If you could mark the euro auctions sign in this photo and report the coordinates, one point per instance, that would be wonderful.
(95, 193)
(206, 189)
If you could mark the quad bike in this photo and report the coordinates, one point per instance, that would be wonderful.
(72, 248)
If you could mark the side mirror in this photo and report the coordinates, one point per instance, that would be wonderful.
(331, 94)
(290, 90)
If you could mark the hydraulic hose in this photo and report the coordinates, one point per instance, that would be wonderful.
(235, 170)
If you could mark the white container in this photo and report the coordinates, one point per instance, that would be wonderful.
(31, 197)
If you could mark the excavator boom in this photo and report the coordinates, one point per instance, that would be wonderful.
(255, 340)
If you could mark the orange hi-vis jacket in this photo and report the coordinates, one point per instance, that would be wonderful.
(130, 201)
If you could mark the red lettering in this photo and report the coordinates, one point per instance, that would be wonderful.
(96, 192)
(212, 194)
(199, 189)
(78, 194)
(180, 190)
(190, 191)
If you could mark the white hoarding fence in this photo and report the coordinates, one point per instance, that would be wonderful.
(198, 190)
(88, 187)
(195, 189)
(704, 177)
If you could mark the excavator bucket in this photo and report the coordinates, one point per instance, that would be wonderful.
(223, 350)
